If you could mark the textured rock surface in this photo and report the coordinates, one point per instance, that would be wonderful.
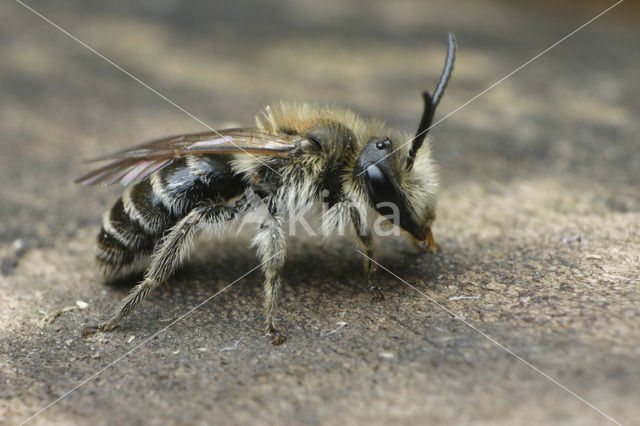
(539, 218)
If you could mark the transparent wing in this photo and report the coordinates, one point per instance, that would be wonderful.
(138, 162)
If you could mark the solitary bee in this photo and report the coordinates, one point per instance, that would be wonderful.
(294, 156)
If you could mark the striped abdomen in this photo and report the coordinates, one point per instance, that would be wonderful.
(146, 210)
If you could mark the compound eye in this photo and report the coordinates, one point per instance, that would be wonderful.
(379, 186)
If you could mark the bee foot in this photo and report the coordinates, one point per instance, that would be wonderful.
(91, 330)
(278, 338)
(378, 296)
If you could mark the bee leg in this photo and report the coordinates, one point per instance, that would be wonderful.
(366, 241)
(166, 258)
(271, 242)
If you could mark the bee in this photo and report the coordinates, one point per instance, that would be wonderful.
(294, 156)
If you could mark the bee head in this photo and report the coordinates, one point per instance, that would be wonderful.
(404, 196)
(402, 183)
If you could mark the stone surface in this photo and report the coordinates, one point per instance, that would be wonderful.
(539, 218)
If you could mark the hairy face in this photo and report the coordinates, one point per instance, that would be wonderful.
(406, 197)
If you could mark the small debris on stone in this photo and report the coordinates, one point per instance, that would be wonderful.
(131, 339)
(571, 239)
(55, 316)
(463, 297)
(232, 348)
(17, 244)
(386, 355)
(340, 325)
(82, 305)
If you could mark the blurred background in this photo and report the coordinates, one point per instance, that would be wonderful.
(537, 173)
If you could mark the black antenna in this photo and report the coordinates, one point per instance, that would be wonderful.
(431, 102)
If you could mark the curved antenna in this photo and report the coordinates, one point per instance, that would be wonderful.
(446, 71)
(431, 102)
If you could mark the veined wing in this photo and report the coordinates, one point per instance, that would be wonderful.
(138, 162)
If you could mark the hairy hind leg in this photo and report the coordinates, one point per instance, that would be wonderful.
(166, 258)
(271, 240)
